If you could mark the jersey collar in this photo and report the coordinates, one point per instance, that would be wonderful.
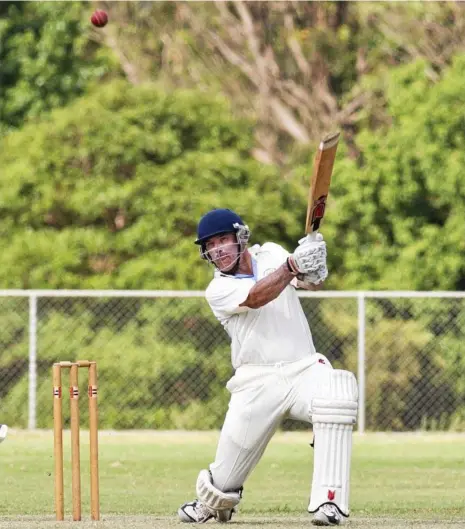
(254, 275)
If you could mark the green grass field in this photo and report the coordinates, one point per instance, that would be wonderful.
(397, 480)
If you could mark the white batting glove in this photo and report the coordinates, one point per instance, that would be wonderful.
(310, 239)
(315, 278)
(310, 256)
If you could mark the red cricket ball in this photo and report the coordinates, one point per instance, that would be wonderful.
(99, 18)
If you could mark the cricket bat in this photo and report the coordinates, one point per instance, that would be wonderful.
(319, 185)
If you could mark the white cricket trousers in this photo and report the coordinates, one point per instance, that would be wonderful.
(261, 397)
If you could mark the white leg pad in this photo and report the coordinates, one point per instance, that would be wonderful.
(213, 498)
(333, 418)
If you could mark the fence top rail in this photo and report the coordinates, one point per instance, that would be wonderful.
(382, 294)
(354, 294)
(104, 293)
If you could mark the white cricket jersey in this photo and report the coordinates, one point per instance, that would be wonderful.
(276, 332)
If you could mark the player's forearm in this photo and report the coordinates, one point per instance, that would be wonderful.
(310, 286)
(268, 288)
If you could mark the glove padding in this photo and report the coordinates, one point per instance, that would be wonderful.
(310, 257)
(314, 278)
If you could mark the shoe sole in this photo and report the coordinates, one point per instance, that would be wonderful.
(324, 523)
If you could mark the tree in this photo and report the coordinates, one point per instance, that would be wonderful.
(300, 69)
(262, 55)
(107, 192)
(399, 209)
(47, 58)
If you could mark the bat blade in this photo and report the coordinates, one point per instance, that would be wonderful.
(321, 178)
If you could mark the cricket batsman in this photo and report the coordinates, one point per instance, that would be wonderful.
(278, 373)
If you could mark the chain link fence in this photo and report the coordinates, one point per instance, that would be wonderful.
(163, 360)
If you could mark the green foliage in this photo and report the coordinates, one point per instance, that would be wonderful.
(108, 192)
(163, 363)
(105, 192)
(48, 58)
(159, 364)
(399, 212)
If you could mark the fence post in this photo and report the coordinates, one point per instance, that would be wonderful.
(32, 422)
(361, 361)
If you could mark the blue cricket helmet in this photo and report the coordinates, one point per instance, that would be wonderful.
(216, 222)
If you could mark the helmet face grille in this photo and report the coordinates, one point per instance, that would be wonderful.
(242, 233)
(218, 222)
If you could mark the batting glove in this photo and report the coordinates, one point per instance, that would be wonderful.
(315, 278)
(310, 256)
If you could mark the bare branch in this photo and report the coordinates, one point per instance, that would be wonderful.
(128, 67)
(288, 122)
(253, 43)
(234, 58)
(295, 48)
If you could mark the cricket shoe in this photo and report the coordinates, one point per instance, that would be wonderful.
(197, 512)
(3, 432)
(328, 514)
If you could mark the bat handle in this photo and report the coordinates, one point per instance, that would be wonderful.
(312, 236)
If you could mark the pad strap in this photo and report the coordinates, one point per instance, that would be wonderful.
(334, 411)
